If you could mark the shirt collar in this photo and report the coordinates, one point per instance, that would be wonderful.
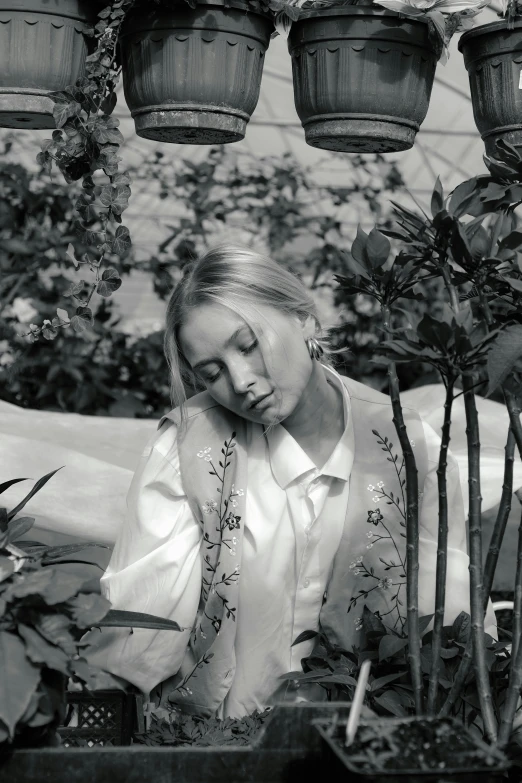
(288, 460)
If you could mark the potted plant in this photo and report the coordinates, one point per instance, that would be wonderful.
(192, 72)
(43, 45)
(422, 668)
(363, 72)
(493, 59)
(44, 613)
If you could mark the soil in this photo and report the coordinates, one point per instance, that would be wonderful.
(437, 745)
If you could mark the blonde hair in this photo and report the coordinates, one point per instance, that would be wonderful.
(238, 278)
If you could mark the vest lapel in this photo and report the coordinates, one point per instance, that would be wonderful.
(368, 568)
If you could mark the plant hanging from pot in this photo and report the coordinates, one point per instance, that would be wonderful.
(363, 73)
(493, 59)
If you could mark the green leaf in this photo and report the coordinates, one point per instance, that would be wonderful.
(390, 645)
(461, 628)
(503, 355)
(512, 241)
(8, 484)
(62, 587)
(109, 283)
(117, 618)
(82, 319)
(359, 246)
(88, 609)
(39, 650)
(390, 701)
(377, 248)
(18, 680)
(53, 554)
(372, 623)
(33, 583)
(380, 682)
(37, 487)
(437, 198)
(514, 283)
(122, 242)
(18, 528)
(116, 199)
(304, 637)
(6, 568)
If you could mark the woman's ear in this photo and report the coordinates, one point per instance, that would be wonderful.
(309, 327)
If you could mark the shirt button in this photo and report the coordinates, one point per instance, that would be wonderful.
(306, 583)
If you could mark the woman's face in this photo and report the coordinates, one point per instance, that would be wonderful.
(263, 380)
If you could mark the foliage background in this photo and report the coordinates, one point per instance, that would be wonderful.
(270, 203)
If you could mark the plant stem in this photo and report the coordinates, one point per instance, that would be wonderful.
(442, 550)
(513, 407)
(517, 609)
(504, 509)
(515, 674)
(475, 555)
(412, 531)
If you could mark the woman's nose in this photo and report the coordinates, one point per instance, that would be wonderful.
(242, 378)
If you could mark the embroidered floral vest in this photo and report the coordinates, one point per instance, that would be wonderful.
(368, 569)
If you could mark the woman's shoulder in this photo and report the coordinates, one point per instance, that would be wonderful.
(193, 406)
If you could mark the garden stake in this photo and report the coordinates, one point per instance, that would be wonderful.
(357, 703)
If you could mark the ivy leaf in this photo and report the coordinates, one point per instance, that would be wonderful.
(106, 131)
(71, 255)
(109, 283)
(18, 680)
(116, 199)
(82, 319)
(63, 315)
(109, 103)
(122, 242)
(461, 628)
(505, 352)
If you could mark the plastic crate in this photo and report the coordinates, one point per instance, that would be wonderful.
(100, 718)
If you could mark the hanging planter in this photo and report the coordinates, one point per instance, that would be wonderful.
(362, 78)
(493, 59)
(42, 50)
(192, 75)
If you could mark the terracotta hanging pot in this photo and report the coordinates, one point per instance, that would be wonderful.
(42, 50)
(493, 59)
(362, 78)
(192, 75)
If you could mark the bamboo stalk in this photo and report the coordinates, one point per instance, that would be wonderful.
(475, 555)
(515, 674)
(412, 532)
(497, 536)
(513, 407)
(442, 550)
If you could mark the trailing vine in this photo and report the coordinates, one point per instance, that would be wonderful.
(85, 147)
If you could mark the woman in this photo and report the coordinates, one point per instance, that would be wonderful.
(267, 505)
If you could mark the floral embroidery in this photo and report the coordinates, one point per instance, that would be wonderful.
(370, 488)
(209, 507)
(358, 624)
(374, 516)
(370, 534)
(386, 583)
(205, 454)
(380, 485)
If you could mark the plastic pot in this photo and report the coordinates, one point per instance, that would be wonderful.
(362, 78)
(42, 50)
(493, 59)
(339, 760)
(192, 75)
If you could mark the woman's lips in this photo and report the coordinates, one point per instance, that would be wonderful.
(263, 403)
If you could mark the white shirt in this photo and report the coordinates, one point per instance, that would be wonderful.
(294, 519)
